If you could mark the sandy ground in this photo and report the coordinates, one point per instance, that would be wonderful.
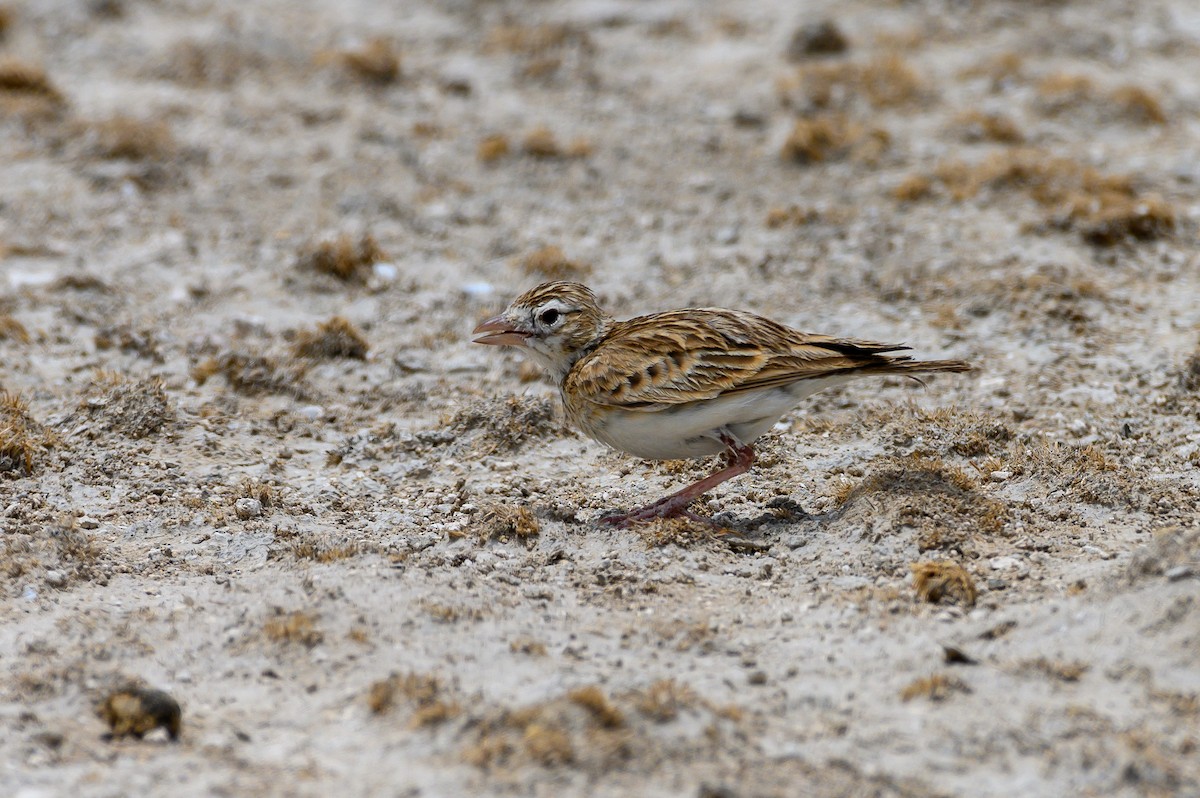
(362, 554)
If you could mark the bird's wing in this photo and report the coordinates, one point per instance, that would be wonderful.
(667, 359)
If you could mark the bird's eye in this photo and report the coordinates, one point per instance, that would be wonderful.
(549, 316)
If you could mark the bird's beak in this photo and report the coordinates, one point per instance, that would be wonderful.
(498, 331)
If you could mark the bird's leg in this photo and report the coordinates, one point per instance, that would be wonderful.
(741, 458)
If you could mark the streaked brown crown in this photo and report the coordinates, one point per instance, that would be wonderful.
(579, 326)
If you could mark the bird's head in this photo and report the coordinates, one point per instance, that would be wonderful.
(554, 323)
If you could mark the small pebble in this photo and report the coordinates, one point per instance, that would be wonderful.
(311, 412)
(757, 677)
(248, 508)
(727, 235)
(1096, 551)
(478, 290)
(1000, 476)
(385, 271)
(87, 522)
(795, 541)
(56, 578)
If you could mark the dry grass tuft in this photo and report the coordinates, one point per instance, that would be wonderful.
(502, 521)
(446, 613)
(937, 687)
(323, 552)
(218, 61)
(679, 531)
(913, 188)
(976, 125)
(1189, 374)
(887, 81)
(939, 501)
(124, 336)
(533, 40)
(796, 215)
(253, 488)
(20, 78)
(492, 148)
(528, 646)
(1110, 219)
(552, 263)
(564, 731)
(663, 700)
(253, 375)
(1084, 473)
(1065, 93)
(592, 699)
(506, 424)
(540, 142)
(376, 62)
(1138, 105)
(58, 546)
(1106, 209)
(21, 438)
(344, 257)
(999, 69)
(11, 329)
(832, 137)
(425, 696)
(334, 338)
(938, 581)
(126, 137)
(1057, 669)
(134, 409)
(293, 627)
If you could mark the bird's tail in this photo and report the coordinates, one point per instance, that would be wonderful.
(906, 365)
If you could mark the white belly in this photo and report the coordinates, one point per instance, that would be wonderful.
(691, 430)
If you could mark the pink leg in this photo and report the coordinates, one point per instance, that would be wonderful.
(677, 503)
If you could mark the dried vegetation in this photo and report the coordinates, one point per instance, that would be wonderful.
(293, 628)
(254, 374)
(427, 699)
(345, 257)
(376, 62)
(830, 137)
(886, 81)
(938, 582)
(551, 263)
(132, 408)
(1105, 209)
(505, 424)
(504, 521)
(130, 138)
(22, 440)
(334, 338)
(941, 502)
(937, 687)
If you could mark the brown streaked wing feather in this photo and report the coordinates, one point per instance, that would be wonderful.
(653, 362)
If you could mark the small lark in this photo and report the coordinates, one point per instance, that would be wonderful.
(684, 383)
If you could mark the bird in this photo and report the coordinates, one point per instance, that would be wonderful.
(684, 383)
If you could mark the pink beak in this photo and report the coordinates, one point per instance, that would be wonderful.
(498, 331)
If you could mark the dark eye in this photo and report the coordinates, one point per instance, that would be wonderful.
(549, 316)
